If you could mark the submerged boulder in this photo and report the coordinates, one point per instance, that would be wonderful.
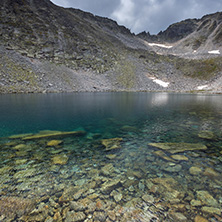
(208, 135)
(54, 142)
(178, 147)
(54, 134)
(112, 144)
(206, 198)
(60, 159)
(15, 206)
(20, 136)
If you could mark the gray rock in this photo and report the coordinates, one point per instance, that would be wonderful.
(108, 186)
(173, 168)
(206, 198)
(179, 217)
(73, 216)
(77, 206)
(148, 198)
(99, 216)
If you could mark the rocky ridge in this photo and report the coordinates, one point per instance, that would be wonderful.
(191, 35)
(47, 48)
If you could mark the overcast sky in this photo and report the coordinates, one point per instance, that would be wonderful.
(145, 15)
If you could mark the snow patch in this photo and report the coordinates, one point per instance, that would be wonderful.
(216, 52)
(160, 45)
(160, 82)
(202, 87)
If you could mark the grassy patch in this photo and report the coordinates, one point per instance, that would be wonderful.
(201, 69)
(126, 74)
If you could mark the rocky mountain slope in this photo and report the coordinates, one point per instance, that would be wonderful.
(191, 35)
(46, 48)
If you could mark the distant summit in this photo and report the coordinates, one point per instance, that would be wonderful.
(191, 33)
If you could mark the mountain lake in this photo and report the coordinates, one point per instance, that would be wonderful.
(123, 156)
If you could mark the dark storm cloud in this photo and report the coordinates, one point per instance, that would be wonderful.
(146, 15)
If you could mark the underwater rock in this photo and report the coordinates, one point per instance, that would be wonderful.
(132, 174)
(112, 144)
(57, 217)
(179, 217)
(129, 128)
(112, 215)
(54, 142)
(20, 147)
(109, 185)
(206, 198)
(211, 172)
(21, 161)
(22, 153)
(199, 218)
(77, 206)
(161, 154)
(172, 168)
(116, 195)
(208, 135)
(195, 170)
(68, 194)
(54, 134)
(15, 206)
(73, 216)
(78, 194)
(99, 216)
(195, 203)
(107, 169)
(25, 173)
(172, 196)
(5, 169)
(211, 210)
(111, 156)
(93, 173)
(61, 159)
(178, 147)
(20, 136)
(148, 198)
(179, 157)
(167, 182)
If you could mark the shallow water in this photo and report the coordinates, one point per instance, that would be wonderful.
(129, 180)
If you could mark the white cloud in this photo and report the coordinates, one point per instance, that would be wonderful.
(64, 3)
(124, 14)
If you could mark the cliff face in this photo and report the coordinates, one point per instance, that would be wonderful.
(47, 48)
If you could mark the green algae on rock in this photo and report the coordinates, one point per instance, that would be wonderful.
(178, 147)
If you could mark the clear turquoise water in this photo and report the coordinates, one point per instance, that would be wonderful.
(91, 111)
(137, 118)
